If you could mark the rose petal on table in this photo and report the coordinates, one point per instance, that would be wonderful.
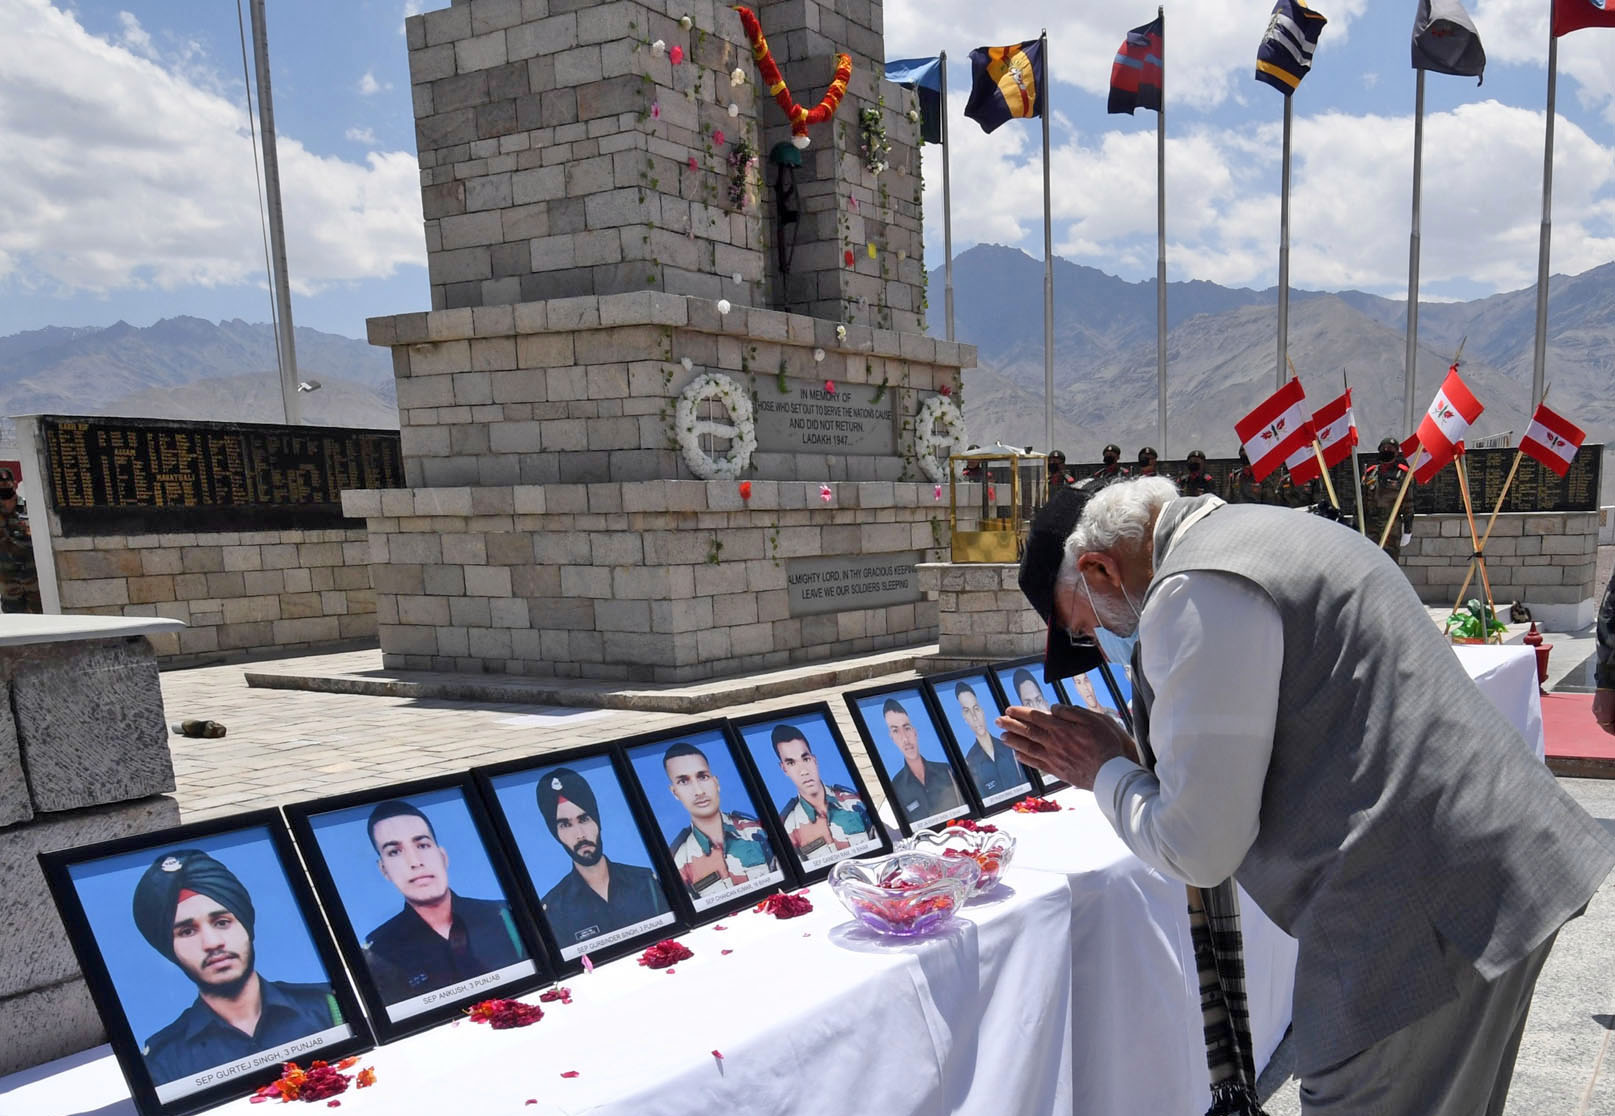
(725, 952)
(569, 1073)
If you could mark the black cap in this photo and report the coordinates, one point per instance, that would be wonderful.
(1040, 571)
(1113, 448)
(1147, 452)
(1389, 444)
(1196, 455)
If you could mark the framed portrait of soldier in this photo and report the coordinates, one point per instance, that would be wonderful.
(813, 788)
(969, 706)
(920, 773)
(207, 959)
(582, 853)
(421, 900)
(1096, 690)
(1020, 682)
(715, 837)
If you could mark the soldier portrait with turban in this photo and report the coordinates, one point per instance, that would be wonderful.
(597, 895)
(198, 914)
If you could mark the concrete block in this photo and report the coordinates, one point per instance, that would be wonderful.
(15, 805)
(47, 1023)
(37, 952)
(90, 723)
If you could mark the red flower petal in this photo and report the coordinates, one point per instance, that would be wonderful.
(532, 1100)
(725, 952)
(719, 926)
(718, 1054)
(786, 906)
(847, 256)
(333, 1104)
(665, 953)
(569, 1073)
(1032, 804)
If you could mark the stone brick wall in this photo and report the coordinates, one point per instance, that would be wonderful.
(663, 581)
(240, 593)
(1548, 561)
(561, 156)
(982, 616)
(582, 390)
(83, 758)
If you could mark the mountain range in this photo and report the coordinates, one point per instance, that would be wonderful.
(1221, 355)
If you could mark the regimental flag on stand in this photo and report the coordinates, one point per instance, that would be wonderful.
(1135, 76)
(1006, 83)
(1285, 55)
(1552, 440)
(1573, 15)
(1303, 465)
(924, 76)
(1450, 415)
(1445, 40)
(1277, 430)
(1336, 427)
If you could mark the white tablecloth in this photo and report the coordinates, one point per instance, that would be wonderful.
(1137, 1045)
(1507, 676)
(811, 1015)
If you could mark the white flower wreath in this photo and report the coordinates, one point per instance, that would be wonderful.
(928, 443)
(741, 430)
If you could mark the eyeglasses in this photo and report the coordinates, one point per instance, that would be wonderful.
(1080, 642)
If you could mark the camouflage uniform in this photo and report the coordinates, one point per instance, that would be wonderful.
(746, 855)
(1381, 483)
(19, 577)
(1243, 487)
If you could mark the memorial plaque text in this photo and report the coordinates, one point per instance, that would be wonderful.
(808, 418)
(844, 583)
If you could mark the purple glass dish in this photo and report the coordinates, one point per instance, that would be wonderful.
(905, 894)
(990, 852)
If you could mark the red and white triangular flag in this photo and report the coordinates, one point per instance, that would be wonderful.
(1552, 439)
(1337, 429)
(1451, 413)
(1274, 431)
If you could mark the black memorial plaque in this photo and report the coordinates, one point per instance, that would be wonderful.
(1535, 489)
(147, 476)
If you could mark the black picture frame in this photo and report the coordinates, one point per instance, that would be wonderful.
(999, 782)
(1002, 674)
(94, 888)
(888, 761)
(703, 898)
(815, 726)
(455, 814)
(1105, 691)
(528, 841)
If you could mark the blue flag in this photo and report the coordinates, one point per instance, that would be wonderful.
(1285, 55)
(924, 76)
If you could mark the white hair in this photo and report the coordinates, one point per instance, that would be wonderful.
(1120, 513)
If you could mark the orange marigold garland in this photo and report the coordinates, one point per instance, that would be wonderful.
(774, 81)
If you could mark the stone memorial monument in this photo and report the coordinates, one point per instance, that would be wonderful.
(673, 414)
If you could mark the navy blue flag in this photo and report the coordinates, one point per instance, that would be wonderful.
(1135, 77)
(1285, 55)
(924, 76)
(1006, 83)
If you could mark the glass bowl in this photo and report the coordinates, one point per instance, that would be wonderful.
(990, 852)
(905, 894)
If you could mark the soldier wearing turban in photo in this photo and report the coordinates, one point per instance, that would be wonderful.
(195, 912)
(598, 895)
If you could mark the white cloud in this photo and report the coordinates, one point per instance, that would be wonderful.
(366, 136)
(135, 37)
(368, 85)
(1350, 201)
(128, 174)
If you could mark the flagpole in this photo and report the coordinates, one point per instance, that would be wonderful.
(1539, 362)
(1284, 249)
(947, 207)
(1048, 258)
(1160, 247)
(1356, 471)
(1410, 379)
(1478, 558)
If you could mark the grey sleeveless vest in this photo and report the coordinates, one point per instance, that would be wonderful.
(1405, 827)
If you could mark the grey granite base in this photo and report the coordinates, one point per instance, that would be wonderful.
(15, 805)
(47, 1023)
(89, 722)
(36, 951)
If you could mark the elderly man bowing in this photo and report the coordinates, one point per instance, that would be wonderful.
(1305, 728)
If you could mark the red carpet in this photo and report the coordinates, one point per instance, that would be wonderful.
(1576, 745)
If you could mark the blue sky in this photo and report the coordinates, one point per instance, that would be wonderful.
(129, 189)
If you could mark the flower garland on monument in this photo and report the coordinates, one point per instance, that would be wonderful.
(928, 443)
(774, 82)
(741, 430)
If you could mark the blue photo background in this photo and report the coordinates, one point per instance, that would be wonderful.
(671, 816)
(949, 701)
(759, 742)
(1101, 690)
(152, 989)
(369, 898)
(1120, 653)
(542, 857)
(913, 703)
(1006, 678)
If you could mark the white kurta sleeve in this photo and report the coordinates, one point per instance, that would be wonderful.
(1213, 649)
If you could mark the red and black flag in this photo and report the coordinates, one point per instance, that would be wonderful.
(1135, 77)
(1006, 83)
(1573, 15)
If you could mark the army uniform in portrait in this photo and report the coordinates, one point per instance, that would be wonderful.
(717, 850)
(821, 816)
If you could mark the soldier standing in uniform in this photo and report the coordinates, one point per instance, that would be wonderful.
(195, 912)
(1243, 487)
(1112, 469)
(19, 577)
(1381, 482)
(1059, 475)
(1196, 481)
(439, 938)
(1147, 457)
